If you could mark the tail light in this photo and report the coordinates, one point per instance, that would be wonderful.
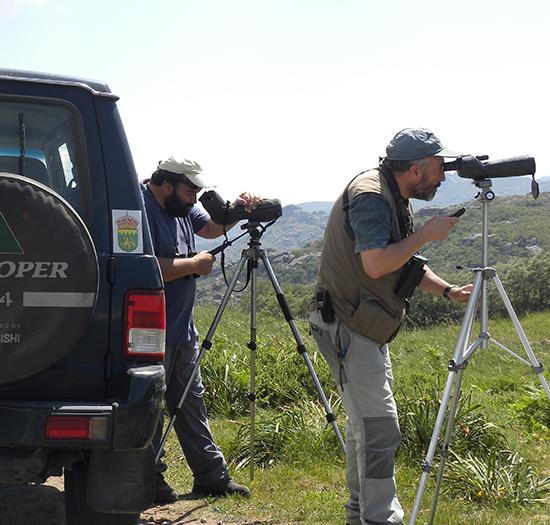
(76, 427)
(145, 326)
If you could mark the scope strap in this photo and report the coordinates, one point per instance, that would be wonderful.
(225, 218)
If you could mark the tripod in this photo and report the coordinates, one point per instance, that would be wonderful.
(253, 254)
(463, 351)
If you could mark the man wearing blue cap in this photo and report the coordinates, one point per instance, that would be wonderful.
(359, 306)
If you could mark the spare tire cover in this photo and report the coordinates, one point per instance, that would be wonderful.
(48, 277)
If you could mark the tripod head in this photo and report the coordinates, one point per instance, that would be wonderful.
(255, 229)
(485, 195)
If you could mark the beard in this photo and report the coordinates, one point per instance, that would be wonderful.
(424, 194)
(175, 207)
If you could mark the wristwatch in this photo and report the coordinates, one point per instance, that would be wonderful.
(448, 290)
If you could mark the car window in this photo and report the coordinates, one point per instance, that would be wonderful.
(42, 141)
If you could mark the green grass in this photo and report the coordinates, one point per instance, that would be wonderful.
(299, 470)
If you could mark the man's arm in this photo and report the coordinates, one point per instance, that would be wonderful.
(370, 217)
(212, 230)
(381, 261)
(432, 283)
(200, 264)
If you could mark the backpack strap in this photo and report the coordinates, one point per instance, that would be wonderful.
(347, 224)
(405, 223)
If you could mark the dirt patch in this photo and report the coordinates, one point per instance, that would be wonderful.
(45, 505)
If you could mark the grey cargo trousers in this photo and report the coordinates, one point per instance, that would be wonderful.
(362, 370)
(203, 455)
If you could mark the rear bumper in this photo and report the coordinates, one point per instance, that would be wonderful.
(131, 424)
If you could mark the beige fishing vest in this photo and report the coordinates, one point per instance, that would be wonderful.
(365, 305)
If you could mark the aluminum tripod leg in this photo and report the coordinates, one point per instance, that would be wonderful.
(252, 347)
(206, 344)
(252, 254)
(536, 366)
(302, 350)
(458, 368)
(460, 359)
(456, 364)
(462, 353)
(448, 433)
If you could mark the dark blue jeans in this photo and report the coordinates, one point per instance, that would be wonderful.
(203, 455)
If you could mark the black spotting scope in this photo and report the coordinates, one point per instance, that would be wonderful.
(222, 212)
(477, 168)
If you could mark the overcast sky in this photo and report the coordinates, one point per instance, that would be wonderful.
(291, 98)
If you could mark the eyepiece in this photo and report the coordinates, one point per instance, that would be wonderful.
(455, 164)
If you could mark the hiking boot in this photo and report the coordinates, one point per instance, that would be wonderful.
(225, 488)
(164, 493)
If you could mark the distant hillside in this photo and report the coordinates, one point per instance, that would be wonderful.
(324, 206)
(305, 223)
(295, 229)
(456, 190)
(519, 227)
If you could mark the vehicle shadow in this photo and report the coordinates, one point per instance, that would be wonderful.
(186, 511)
(172, 514)
(31, 505)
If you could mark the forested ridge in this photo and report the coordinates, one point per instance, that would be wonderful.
(519, 248)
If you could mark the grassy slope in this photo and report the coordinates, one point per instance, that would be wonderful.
(511, 221)
(308, 486)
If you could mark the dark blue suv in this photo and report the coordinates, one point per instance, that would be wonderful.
(82, 314)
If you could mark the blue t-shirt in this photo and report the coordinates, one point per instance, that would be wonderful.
(173, 236)
(370, 216)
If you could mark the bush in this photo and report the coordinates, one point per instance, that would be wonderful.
(297, 296)
(282, 377)
(526, 282)
(293, 435)
(533, 408)
(500, 478)
(417, 416)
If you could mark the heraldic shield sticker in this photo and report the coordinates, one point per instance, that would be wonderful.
(127, 231)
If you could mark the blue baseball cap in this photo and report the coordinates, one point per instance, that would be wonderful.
(415, 144)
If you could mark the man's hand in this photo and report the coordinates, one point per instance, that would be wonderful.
(202, 263)
(211, 230)
(461, 294)
(438, 228)
(248, 201)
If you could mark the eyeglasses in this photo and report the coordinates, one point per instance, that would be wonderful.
(182, 179)
(192, 186)
(193, 190)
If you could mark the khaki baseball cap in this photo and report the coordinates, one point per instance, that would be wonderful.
(188, 168)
